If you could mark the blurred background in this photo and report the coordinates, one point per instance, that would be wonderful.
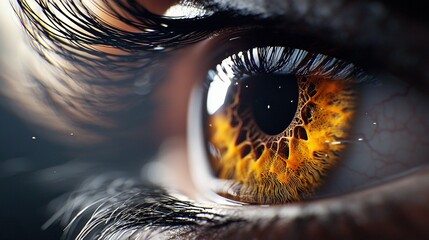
(35, 171)
(28, 179)
(40, 168)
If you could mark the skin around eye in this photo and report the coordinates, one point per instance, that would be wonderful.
(311, 102)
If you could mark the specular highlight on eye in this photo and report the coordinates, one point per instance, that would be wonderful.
(275, 144)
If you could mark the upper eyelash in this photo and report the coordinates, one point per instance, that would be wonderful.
(156, 36)
(289, 60)
(91, 88)
(53, 35)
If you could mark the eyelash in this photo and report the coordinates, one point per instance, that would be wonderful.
(291, 61)
(52, 34)
(156, 37)
(167, 34)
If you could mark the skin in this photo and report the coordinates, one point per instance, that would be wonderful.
(396, 210)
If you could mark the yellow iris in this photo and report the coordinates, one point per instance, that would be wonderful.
(289, 166)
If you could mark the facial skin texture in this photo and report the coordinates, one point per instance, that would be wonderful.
(384, 37)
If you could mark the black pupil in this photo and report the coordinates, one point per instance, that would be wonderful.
(273, 99)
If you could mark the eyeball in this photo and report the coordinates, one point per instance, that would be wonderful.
(271, 118)
(279, 125)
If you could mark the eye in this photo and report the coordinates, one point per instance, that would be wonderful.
(283, 125)
(272, 116)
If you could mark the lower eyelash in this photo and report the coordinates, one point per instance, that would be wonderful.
(106, 207)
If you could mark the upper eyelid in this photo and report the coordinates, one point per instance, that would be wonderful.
(184, 31)
(192, 32)
(185, 28)
(363, 50)
(375, 35)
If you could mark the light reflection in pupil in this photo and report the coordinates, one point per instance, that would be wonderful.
(266, 95)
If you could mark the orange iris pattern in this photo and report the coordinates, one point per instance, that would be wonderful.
(288, 167)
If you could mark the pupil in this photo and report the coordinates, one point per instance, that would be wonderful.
(273, 100)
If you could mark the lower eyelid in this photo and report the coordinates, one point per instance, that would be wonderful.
(394, 211)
